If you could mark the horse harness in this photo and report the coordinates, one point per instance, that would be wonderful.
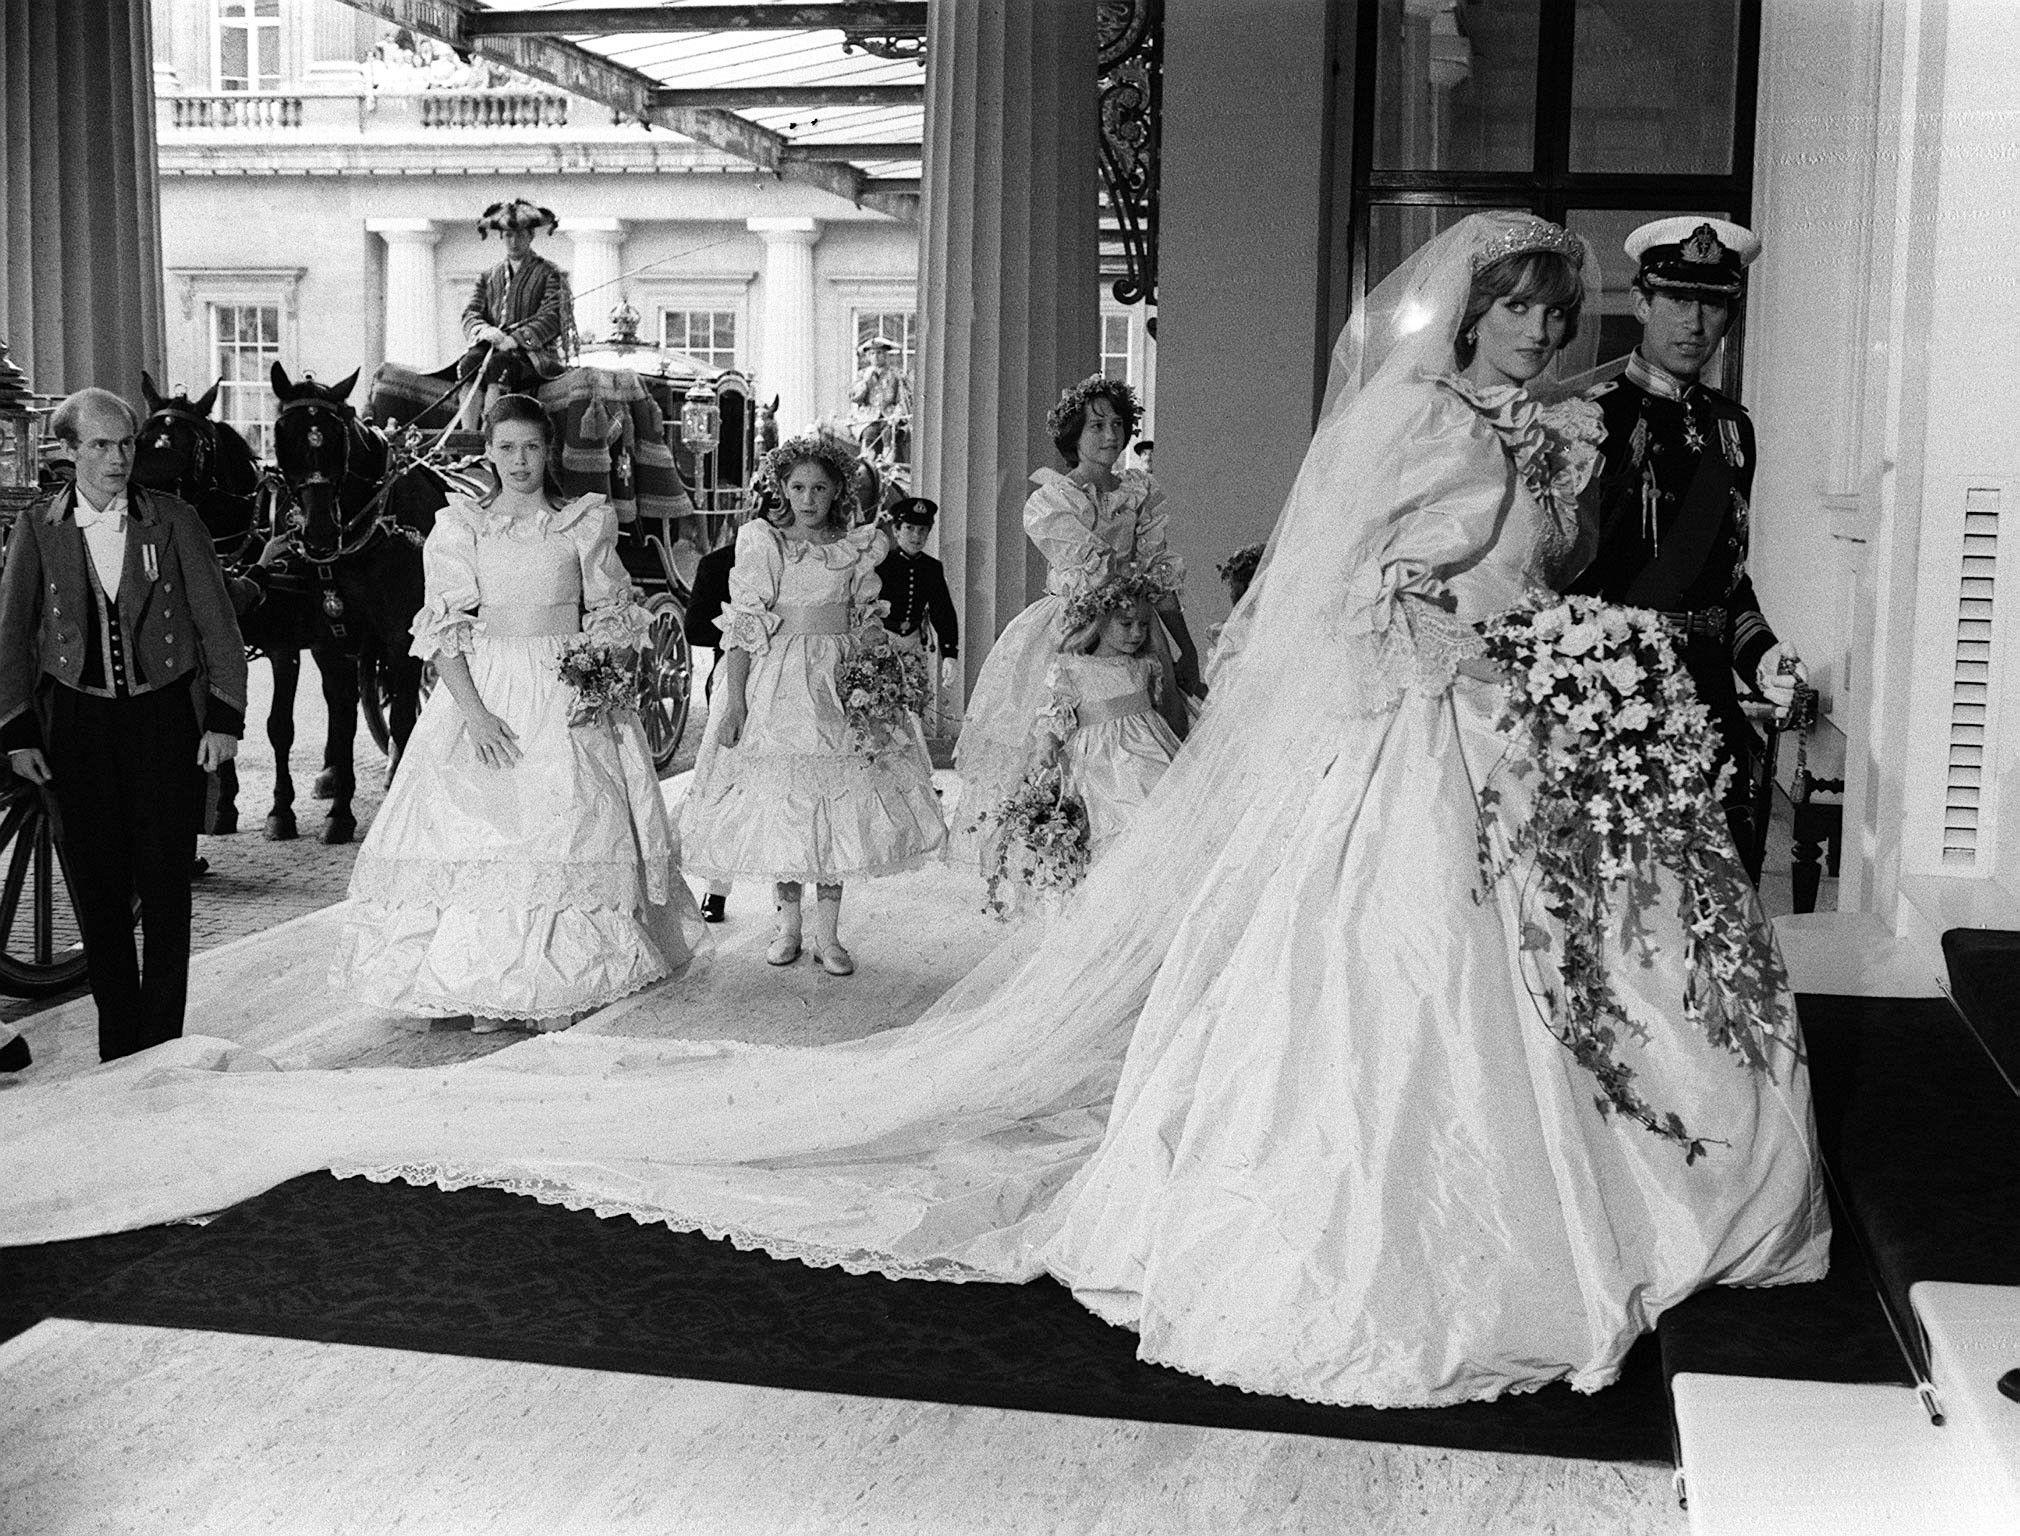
(371, 519)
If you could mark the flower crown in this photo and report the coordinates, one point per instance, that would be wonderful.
(1241, 565)
(778, 464)
(1112, 594)
(1532, 234)
(1095, 386)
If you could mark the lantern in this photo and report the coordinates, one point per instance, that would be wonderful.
(700, 419)
(20, 431)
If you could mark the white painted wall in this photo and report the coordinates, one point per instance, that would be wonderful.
(1877, 369)
(1242, 225)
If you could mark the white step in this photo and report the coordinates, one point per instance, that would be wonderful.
(1812, 1458)
(1974, 1339)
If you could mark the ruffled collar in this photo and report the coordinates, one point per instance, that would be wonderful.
(1555, 447)
(492, 523)
(1135, 485)
(836, 554)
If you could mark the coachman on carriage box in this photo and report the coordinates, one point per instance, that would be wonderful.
(122, 681)
(519, 314)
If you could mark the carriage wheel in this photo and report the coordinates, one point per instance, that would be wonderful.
(665, 673)
(41, 950)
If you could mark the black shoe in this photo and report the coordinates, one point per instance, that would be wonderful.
(714, 908)
(14, 1055)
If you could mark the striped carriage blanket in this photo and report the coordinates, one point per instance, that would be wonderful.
(612, 435)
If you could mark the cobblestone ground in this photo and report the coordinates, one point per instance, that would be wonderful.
(253, 883)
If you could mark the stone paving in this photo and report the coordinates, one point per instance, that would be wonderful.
(255, 884)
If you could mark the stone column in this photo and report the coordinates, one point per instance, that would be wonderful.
(786, 329)
(332, 59)
(412, 336)
(1009, 280)
(594, 279)
(80, 221)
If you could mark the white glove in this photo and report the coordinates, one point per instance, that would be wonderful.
(950, 671)
(1778, 674)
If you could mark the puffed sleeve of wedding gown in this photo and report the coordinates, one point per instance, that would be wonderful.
(871, 545)
(1056, 520)
(1452, 489)
(751, 616)
(1153, 531)
(611, 612)
(449, 569)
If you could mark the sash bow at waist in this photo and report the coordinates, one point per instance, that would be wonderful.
(526, 621)
(801, 619)
(1100, 711)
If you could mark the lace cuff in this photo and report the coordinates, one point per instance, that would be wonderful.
(440, 630)
(623, 624)
(748, 629)
(1434, 644)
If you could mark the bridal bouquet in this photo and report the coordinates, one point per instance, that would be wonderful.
(1037, 841)
(603, 678)
(882, 686)
(1606, 720)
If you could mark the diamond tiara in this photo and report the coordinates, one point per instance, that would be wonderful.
(1532, 235)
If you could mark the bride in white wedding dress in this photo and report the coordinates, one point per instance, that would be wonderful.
(1274, 1091)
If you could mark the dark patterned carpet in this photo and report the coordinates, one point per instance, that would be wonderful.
(485, 1273)
(480, 1272)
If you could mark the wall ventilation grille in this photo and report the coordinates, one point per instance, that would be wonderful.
(1971, 678)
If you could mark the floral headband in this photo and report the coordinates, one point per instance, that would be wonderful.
(1241, 565)
(1125, 589)
(779, 463)
(1095, 386)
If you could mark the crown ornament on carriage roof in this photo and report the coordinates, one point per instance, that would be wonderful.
(1531, 234)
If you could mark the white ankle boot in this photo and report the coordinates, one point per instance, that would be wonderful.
(785, 945)
(834, 959)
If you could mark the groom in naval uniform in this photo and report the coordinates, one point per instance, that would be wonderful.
(1673, 486)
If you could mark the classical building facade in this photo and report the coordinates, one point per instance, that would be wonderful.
(321, 177)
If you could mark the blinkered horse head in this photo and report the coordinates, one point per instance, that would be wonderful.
(321, 450)
(177, 451)
(183, 451)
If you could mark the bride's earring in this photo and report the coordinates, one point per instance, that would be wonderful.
(1471, 336)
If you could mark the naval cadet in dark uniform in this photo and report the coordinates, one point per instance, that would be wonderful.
(1672, 493)
(915, 584)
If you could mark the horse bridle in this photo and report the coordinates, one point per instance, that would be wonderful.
(206, 439)
(370, 521)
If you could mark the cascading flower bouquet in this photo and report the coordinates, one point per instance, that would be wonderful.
(1036, 841)
(883, 686)
(1608, 727)
(603, 677)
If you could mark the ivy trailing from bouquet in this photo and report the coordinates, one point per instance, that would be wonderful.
(1608, 729)
(1036, 841)
(882, 685)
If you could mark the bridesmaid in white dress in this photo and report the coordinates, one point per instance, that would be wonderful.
(779, 793)
(1086, 523)
(1113, 709)
(521, 869)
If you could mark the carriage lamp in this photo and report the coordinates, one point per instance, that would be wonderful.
(17, 450)
(700, 418)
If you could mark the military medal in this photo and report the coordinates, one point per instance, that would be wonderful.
(1728, 437)
(1693, 439)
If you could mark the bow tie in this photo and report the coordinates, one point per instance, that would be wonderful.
(113, 513)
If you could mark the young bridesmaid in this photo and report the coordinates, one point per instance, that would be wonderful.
(522, 869)
(1114, 710)
(779, 793)
(1088, 521)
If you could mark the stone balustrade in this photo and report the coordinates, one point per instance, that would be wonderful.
(382, 113)
(238, 110)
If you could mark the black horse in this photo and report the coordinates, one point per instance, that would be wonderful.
(358, 517)
(183, 451)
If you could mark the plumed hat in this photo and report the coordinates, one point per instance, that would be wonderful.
(1693, 255)
(516, 213)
